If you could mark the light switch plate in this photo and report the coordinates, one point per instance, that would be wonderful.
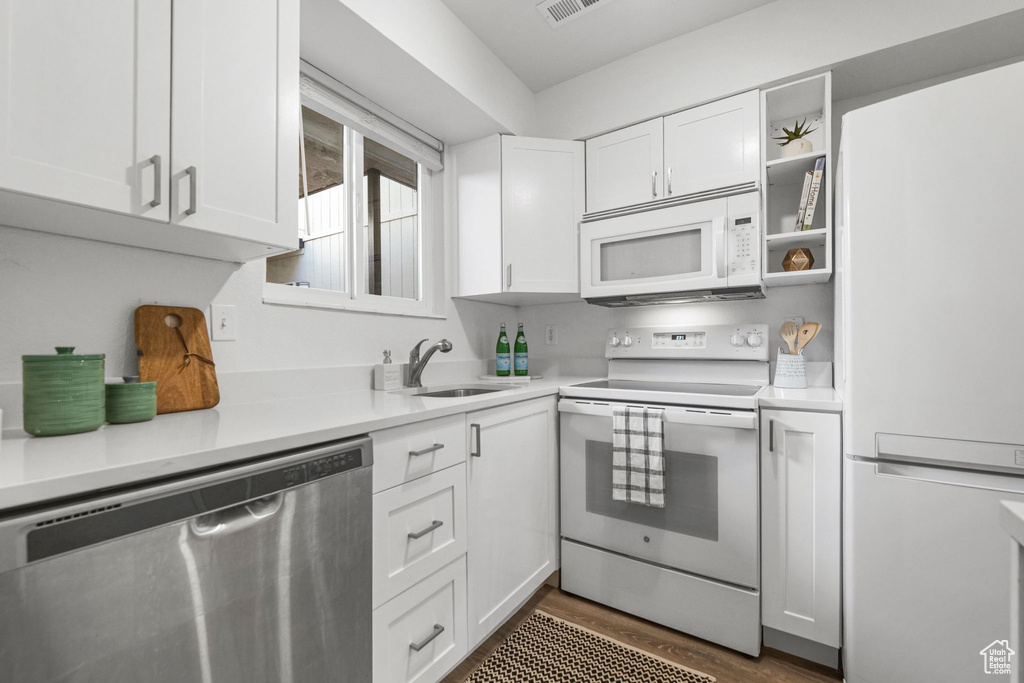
(223, 323)
(551, 335)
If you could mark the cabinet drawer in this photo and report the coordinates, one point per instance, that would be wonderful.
(413, 451)
(418, 528)
(436, 605)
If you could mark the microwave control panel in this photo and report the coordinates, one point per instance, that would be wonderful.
(744, 248)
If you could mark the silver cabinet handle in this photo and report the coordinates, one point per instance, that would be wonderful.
(771, 436)
(430, 449)
(654, 184)
(155, 160)
(416, 647)
(475, 429)
(191, 171)
(436, 524)
(668, 179)
(509, 276)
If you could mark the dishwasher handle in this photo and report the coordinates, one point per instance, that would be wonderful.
(236, 518)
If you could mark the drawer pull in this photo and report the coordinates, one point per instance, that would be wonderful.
(420, 534)
(431, 449)
(416, 647)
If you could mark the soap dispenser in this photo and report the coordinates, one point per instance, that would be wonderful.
(387, 375)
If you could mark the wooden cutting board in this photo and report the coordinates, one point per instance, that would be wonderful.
(175, 353)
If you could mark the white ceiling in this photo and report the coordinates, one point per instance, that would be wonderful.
(541, 55)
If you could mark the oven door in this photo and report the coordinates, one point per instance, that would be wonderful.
(674, 249)
(709, 525)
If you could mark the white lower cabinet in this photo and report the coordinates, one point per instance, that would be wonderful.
(421, 634)
(513, 509)
(801, 487)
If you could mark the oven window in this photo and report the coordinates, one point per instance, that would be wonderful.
(691, 493)
(673, 253)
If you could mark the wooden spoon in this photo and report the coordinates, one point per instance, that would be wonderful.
(789, 333)
(808, 331)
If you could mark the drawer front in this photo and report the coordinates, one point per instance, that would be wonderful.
(418, 528)
(406, 453)
(430, 616)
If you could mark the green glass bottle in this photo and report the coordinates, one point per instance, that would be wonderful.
(521, 361)
(503, 356)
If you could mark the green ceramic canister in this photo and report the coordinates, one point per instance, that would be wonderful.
(131, 402)
(63, 394)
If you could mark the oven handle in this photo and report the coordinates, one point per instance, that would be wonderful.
(707, 417)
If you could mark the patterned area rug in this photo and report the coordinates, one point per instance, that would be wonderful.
(545, 649)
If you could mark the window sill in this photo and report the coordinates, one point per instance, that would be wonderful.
(285, 295)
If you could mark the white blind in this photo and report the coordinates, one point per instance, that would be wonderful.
(324, 94)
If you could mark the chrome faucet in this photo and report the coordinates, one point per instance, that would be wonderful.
(416, 364)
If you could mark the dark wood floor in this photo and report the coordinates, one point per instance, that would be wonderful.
(724, 664)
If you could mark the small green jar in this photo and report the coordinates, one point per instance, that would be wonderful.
(63, 394)
(131, 402)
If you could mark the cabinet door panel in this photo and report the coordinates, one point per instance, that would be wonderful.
(235, 119)
(625, 167)
(801, 462)
(713, 146)
(86, 102)
(512, 509)
(542, 196)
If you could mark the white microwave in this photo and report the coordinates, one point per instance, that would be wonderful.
(703, 251)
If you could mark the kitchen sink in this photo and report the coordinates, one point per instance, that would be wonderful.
(457, 393)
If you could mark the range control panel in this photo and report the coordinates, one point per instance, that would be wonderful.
(747, 341)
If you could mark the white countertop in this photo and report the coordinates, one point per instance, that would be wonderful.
(35, 470)
(1012, 518)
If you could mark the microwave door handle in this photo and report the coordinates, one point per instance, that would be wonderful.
(718, 227)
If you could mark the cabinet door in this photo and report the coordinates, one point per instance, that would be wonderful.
(513, 509)
(713, 146)
(235, 119)
(542, 195)
(85, 110)
(625, 167)
(801, 462)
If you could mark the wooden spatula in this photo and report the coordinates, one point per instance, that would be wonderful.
(789, 334)
(808, 331)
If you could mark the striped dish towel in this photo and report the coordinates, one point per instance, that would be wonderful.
(638, 461)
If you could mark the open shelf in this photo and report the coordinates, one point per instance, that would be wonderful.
(797, 277)
(797, 239)
(789, 170)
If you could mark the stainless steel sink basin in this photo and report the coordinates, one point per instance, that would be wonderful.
(458, 393)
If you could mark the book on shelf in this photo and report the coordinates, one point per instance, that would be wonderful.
(803, 201)
(812, 194)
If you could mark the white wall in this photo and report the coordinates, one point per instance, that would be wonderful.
(768, 44)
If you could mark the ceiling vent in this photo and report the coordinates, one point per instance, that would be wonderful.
(559, 12)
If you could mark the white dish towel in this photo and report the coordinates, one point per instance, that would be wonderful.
(638, 459)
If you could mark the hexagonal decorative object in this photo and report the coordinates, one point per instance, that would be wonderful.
(798, 259)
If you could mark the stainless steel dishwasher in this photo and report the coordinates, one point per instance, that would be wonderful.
(259, 572)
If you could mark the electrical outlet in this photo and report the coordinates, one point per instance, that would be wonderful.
(551, 335)
(799, 322)
(222, 323)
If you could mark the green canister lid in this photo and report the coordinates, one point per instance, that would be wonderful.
(65, 354)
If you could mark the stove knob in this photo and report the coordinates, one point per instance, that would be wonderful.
(754, 339)
(738, 340)
(614, 341)
(627, 341)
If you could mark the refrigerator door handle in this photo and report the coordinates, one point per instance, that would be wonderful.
(942, 475)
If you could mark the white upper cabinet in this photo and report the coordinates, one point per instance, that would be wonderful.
(235, 119)
(89, 114)
(625, 167)
(85, 110)
(713, 146)
(518, 203)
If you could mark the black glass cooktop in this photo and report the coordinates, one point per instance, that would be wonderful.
(673, 387)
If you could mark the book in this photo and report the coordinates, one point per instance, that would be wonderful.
(803, 201)
(812, 194)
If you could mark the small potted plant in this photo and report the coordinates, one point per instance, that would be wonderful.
(796, 141)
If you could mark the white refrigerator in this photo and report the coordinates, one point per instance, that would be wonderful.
(930, 332)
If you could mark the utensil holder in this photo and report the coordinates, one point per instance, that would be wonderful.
(790, 370)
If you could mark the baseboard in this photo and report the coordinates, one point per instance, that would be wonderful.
(801, 647)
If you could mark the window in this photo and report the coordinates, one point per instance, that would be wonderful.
(363, 229)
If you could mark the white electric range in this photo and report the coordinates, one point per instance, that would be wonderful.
(694, 564)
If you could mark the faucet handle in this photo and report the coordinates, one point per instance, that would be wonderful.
(414, 355)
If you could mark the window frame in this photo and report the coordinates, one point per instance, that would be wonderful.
(431, 281)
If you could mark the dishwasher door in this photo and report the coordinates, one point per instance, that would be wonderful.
(254, 573)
